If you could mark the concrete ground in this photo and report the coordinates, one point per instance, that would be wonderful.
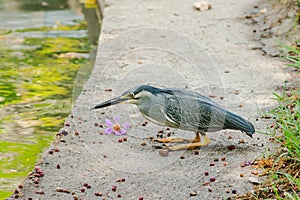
(166, 43)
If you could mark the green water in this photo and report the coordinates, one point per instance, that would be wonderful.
(36, 83)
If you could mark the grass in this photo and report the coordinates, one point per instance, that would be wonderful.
(294, 54)
(282, 169)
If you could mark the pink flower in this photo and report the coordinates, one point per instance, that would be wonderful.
(115, 127)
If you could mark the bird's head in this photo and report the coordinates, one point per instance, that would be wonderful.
(137, 95)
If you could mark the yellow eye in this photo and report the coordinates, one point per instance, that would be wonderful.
(131, 95)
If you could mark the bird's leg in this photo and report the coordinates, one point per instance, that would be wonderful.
(178, 140)
(192, 145)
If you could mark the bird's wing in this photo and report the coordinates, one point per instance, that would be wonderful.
(192, 113)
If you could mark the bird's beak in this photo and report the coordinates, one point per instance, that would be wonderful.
(111, 102)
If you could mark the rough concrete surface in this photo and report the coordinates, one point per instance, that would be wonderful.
(166, 43)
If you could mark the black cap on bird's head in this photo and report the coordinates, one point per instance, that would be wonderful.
(130, 96)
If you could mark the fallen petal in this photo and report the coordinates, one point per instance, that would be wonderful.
(117, 119)
(108, 122)
(118, 133)
(123, 132)
(126, 125)
(108, 130)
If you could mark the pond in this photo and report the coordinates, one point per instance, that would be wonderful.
(43, 45)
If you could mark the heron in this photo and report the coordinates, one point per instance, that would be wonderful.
(181, 109)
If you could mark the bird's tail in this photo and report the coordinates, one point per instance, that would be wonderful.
(233, 121)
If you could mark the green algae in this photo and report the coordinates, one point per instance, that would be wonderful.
(36, 84)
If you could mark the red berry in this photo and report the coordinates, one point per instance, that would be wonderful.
(114, 188)
(212, 179)
(85, 184)
(231, 147)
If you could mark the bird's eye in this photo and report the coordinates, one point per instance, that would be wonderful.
(131, 95)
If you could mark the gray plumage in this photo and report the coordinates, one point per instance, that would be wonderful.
(181, 109)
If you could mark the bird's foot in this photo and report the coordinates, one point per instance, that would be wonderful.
(178, 140)
(172, 140)
(192, 145)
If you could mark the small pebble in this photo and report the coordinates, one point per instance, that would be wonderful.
(241, 141)
(82, 190)
(141, 198)
(224, 164)
(76, 133)
(75, 197)
(222, 98)
(236, 92)
(212, 164)
(206, 183)
(39, 192)
(240, 106)
(98, 194)
(209, 189)
(241, 175)
(50, 152)
(108, 90)
(120, 140)
(254, 173)
(233, 191)
(21, 186)
(206, 173)
(119, 195)
(182, 157)
(124, 139)
(96, 124)
(223, 158)
(121, 180)
(196, 152)
(216, 159)
(143, 144)
(36, 180)
(229, 137)
(193, 193)
(17, 192)
(163, 152)
(88, 186)
(58, 166)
